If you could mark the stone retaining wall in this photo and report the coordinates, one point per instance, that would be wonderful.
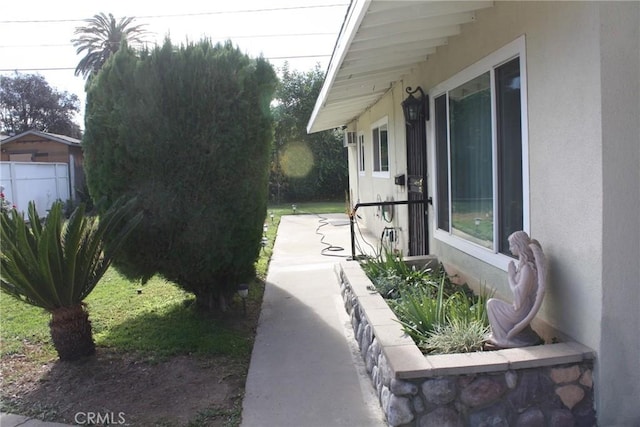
(547, 385)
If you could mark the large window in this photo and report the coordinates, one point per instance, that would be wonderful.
(380, 138)
(481, 192)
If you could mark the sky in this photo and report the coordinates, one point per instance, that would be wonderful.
(35, 35)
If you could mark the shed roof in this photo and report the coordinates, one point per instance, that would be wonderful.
(51, 136)
(379, 43)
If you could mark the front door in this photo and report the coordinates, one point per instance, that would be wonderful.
(417, 187)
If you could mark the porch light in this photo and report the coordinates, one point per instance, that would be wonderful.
(415, 108)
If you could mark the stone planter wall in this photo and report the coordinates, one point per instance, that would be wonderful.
(547, 385)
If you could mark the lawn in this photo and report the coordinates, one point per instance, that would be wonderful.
(159, 360)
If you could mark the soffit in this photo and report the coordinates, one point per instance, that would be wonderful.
(380, 43)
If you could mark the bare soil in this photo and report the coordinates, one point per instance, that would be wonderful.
(113, 388)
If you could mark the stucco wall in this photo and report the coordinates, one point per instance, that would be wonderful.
(565, 179)
(620, 343)
(368, 188)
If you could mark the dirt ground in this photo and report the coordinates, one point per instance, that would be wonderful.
(180, 391)
(114, 388)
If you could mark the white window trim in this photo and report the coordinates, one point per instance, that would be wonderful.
(516, 48)
(362, 160)
(381, 174)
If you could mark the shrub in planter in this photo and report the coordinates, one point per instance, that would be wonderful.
(440, 316)
(456, 336)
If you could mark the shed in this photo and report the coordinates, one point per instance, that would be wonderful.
(45, 147)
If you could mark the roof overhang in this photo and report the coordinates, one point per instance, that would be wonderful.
(382, 41)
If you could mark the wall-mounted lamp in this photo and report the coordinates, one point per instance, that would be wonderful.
(415, 109)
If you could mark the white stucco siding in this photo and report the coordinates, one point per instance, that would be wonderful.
(565, 157)
(368, 188)
(565, 181)
(620, 344)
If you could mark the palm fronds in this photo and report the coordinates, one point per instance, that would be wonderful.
(101, 38)
(57, 264)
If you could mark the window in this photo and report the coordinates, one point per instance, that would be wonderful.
(361, 167)
(481, 191)
(380, 149)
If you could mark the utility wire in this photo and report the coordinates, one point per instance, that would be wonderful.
(254, 36)
(220, 12)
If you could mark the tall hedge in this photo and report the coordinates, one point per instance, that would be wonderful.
(188, 131)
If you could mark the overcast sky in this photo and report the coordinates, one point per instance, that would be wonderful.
(35, 35)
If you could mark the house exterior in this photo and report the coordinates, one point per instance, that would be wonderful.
(532, 122)
(36, 146)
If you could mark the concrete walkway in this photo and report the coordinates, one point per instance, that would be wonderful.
(306, 369)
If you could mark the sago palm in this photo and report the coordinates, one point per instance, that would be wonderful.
(56, 264)
(101, 38)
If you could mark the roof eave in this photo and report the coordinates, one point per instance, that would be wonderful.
(357, 11)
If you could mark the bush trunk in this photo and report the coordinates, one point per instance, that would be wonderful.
(71, 332)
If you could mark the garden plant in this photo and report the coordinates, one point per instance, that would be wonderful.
(55, 264)
(440, 316)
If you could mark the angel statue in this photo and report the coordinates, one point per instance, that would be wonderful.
(510, 322)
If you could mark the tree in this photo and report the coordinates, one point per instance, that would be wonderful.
(27, 102)
(303, 166)
(56, 265)
(101, 38)
(187, 130)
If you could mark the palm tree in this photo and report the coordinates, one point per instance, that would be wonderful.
(55, 265)
(101, 38)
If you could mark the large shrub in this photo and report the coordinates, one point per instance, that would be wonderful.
(187, 130)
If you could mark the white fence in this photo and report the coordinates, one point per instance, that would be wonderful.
(42, 182)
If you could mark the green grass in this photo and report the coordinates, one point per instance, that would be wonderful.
(158, 322)
(22, 325)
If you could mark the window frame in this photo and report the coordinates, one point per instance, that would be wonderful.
(376, 171)
(360, 143)
(492, 256)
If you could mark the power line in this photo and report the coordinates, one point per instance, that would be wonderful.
(249, 36)
(275, 9)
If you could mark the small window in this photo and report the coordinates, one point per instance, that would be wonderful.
(361, 164)
(380, 138)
